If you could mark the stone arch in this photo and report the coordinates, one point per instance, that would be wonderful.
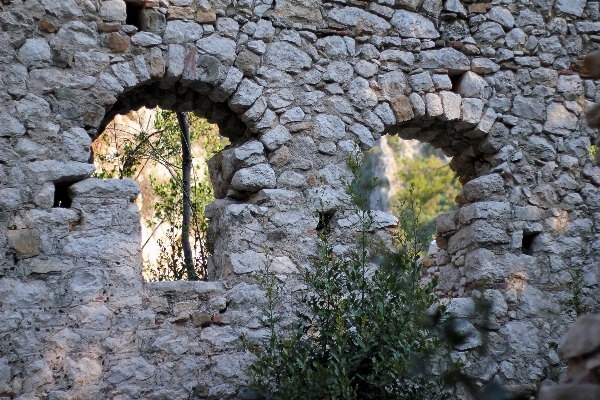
(306, 78)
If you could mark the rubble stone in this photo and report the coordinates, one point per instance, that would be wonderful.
(297, 86)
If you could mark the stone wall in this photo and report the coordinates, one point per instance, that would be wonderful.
(294, 84)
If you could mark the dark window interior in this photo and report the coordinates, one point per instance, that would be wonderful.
(324, 221)
(61, 195)
(527, 246)
(455, 79)
(134, 14)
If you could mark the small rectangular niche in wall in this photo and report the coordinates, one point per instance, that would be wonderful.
(527, 244)
(61, 195)
(324, 221)
(134, 13)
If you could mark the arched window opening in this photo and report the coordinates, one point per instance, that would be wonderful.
(401, 164)
(148, 146)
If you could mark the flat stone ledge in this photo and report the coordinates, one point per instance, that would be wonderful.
(105, 188)
(187, 288)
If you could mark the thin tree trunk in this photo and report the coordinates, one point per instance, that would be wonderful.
(186, 156)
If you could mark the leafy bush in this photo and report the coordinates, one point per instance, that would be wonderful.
(365, 329)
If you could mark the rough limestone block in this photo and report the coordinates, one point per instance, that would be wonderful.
(363, 134)
(571, 86)
(445, 223)
(385, 112)
(146, 39)
(26, 242)
(471, 110)
(404, 59)
(455, 6)
(153, 21)
(421, 82)
(113, 10)
(10, 198)
(402, 108)
(479, 233)
(473, 85)
(295, 114)
(175, 61)
(157, 64)
(515, 38)
(560, 121)
(484, 210)
(219, 47)
(501, 15)
(35, 53)
(442, 82)
(446, 58)
(412, 25)
(247, 262)
(529, 107)
(484, 66)
(254, 178)
(451, 103)
(329, 126)
(77, 142)
(179, 32)
(248, 63)
(250, 153)
(110, 188)
(254, 113)
(487, 121)
(393, 84)
(484, 187)
(57, 171)
(356, 17)
(245, 96)
(232, 80)
(124, 74)
(274, 138)
(495, 140)
(434, 105)
(10, 126)
(572, 7)
(360, 93)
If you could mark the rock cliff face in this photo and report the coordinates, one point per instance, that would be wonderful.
(294, 85)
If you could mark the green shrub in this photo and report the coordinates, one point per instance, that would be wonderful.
(365, 328)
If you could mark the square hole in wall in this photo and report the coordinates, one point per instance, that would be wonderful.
(134, 13)
(527, 244)
(61, 195)
(324, 221)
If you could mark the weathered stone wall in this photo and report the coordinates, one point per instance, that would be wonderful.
(293, 84)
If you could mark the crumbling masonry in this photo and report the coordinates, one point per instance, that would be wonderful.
(294, 84)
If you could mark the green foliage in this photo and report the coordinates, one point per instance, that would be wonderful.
(594, 153)
(125, 155)
(576, 287)
(365, 329)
